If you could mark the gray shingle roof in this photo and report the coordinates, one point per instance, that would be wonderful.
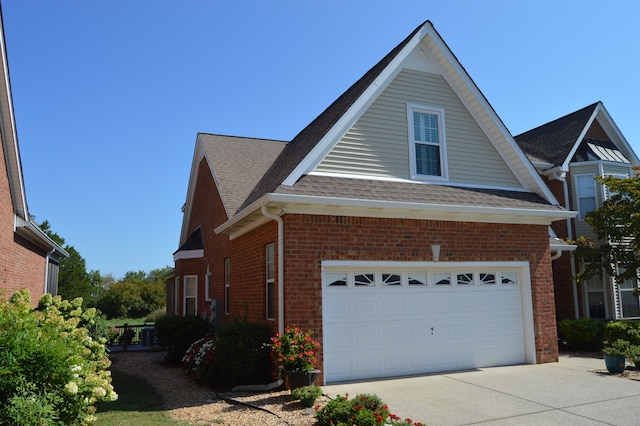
(237, 164)
(379, 190)
(552, 142)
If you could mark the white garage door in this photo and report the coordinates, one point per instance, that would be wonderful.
(392, 319)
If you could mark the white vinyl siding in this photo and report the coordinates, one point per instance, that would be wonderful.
(377, 143)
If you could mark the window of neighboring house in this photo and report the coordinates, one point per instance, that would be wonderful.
(629, 302)
(53, 269)
(427, 142)
(176, 294)
(227, 285)
(190, 294)
(607, 193)
(595, 297)
(208, 286)
(586, 192)
(271, 275)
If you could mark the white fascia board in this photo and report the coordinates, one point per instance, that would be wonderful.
(322, 148)
(256, 205)
(198, 153)
(583, 133)
(478, 106)
(28, 229)
(614, 127)
(188, 254)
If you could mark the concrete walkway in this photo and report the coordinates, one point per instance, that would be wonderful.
(573, 391)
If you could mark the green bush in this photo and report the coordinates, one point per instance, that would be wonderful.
(176, 334)
(623, 329)
(51, 370)
(582, 334)
(362, 410)
(158, 313)
(306, 394)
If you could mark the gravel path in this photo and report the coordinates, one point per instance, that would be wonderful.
(199, 405)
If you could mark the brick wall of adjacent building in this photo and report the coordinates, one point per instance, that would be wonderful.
(21, 264)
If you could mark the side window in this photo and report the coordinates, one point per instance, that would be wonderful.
(271, 275)
(586, 193)
(227, 285)
(208, 286)
(190, 294)
(427, 142)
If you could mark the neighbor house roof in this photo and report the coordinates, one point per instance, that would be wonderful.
(556, 142)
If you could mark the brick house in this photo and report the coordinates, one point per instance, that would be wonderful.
(28, 257)
(403, 226)
(569, 152)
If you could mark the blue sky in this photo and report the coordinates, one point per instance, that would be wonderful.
(109, 95)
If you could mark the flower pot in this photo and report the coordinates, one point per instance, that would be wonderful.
(615, 363)
(298, 378)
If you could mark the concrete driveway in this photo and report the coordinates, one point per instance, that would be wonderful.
(573, 391)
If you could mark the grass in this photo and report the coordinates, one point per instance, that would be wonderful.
(137, 403)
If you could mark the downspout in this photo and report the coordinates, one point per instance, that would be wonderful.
(280, 223)
(562, 177)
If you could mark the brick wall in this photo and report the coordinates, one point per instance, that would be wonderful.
(21, 264)
(310, 239)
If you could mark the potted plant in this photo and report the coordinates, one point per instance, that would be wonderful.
(633, 353)
(615, 355)
(295, 352)
(307, 395)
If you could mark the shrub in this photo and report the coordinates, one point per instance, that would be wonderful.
(583, 334)
(624, 330)
(242, 354)
(176, 334)
(199, 360)
(295, 350)
(53, 371)
(362, 410)
(307, 395)
(158, 313)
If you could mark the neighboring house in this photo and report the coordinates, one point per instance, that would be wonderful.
(28, 257)
(403, 226)
(569, 152)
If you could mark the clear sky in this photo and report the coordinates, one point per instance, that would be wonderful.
(109, 95)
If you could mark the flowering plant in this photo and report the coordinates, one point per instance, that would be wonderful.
(295, 350)
(199, 361)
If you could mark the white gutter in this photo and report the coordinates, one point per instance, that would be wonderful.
(558, 173)
(278, 219)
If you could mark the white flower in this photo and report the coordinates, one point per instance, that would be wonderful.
(99, 392)
(71, 388)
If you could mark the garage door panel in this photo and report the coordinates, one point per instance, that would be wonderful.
(383, 331)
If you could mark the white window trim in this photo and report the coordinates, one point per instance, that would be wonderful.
(581, 214)
(439, 112)
(270, 280)
(176, 294)
(207, 284)
(184, 295)
(227, 285)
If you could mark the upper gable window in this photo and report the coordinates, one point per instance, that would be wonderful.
(427, 142)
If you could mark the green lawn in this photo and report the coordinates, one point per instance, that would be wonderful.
(137, 404)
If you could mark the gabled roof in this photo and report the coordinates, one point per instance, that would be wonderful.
(556, 142)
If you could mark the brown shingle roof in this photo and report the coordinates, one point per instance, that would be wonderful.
(379, 190)
(237, 164)
(552, 142)
(309, 137)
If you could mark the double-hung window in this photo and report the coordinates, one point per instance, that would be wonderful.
(271, 275)
(227, 285)
(427, 142)
(586, 193)
(190, 294)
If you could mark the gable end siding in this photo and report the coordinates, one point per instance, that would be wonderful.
(378, 143)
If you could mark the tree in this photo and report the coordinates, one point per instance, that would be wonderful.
(73, 279)
(136, 295)
(617, 224)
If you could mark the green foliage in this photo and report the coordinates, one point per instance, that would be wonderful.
(176, 334)
(307, 395)
(363, 409)
(618, 347)
(242, 353)
(617, 224)
(51, 370)
(132, 297)
(158, 313)
(623, 330)
(583, 334)
(295, 350)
